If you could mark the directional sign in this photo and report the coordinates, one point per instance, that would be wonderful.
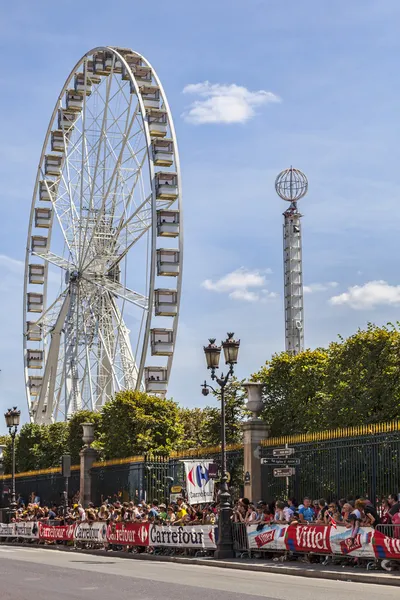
(284, 462)
(283, 452)
(284, 472)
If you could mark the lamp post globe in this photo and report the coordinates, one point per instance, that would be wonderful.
(231, 349)
(212, 353)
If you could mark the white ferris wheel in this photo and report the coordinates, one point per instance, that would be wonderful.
(107, 196)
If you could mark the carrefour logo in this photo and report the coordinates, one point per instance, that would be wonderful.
(198, 476)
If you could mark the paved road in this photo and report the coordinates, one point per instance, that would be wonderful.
(45, 574)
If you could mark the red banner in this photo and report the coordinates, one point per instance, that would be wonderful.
(50, 533)
(303, 538)
(386, 547)
(130, 534)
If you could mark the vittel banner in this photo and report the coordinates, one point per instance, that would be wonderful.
(324, 540)
(270, 537)
(198, 536)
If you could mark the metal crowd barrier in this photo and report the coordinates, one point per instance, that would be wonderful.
(390, 530)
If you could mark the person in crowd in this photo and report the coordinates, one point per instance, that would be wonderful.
(154, 511)
(322, 508)
(394, 504)
(385, 514)
(251, 515)
(306, 513)
(332, 514)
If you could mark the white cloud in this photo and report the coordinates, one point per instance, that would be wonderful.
(221, 103)
(369, 295)
(238, 285)
(319, 287)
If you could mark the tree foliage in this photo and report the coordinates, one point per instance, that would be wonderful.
(355, 381)
(135, 423)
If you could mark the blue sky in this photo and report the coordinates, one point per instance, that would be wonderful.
(332, 66)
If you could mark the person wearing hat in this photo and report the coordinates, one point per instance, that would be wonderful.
(162, 515)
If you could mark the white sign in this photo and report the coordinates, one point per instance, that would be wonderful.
(27, 529)
(7, 530)
(197, 536)
(199, 486)
(91, 532)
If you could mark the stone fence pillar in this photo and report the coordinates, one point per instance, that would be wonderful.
(254, 431)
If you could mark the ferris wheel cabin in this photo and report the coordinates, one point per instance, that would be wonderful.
(166, 186)
(157, 120)
(35, 359)
(39, 243)
(33, 332)
(163, 152)
(34, 302)
(156, 379)
(168, 223)
(48, 190)
(36, 274)
(165, 303)
(168, 262)
(162, 342)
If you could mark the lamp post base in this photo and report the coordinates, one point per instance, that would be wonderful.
(225, 538)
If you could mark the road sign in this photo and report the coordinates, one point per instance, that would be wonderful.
(286, 472)
(176, 489)
(284, 462)
(283, 452)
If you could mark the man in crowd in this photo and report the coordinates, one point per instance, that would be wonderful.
(306, 513)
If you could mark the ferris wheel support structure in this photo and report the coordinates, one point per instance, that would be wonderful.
(107, 194)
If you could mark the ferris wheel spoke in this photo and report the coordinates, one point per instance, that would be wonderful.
(107, 192)
(58, 261)
(121, 291)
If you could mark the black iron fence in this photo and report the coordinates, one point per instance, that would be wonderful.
(361, 461)
(349, 467)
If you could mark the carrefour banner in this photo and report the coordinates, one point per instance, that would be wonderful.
(197, 536)
(130, 534)
(199, 486)
(320, 539)
(91, 532)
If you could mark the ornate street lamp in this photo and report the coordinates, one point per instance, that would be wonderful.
(12, 417)
(212, 353)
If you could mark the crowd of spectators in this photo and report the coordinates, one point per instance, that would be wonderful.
(175, 513)
(345, 512)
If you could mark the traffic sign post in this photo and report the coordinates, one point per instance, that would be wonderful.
(284, 462)
(277, 452)
(284, 472)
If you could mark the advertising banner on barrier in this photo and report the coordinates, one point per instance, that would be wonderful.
(91, 532)
(7, 530)
(197, 536)
(343, 543)
(27, 530)
(303, 538)
(199, 486)
(386, 547)
(270, 537)
(130, 534)
(50, 533)
(324, 540)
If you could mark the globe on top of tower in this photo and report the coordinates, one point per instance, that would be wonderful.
(291, 184)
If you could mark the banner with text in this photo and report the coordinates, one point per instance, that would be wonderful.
(50, 533)
(197, 536)
(130, 534)
(199, 486)
(91, 532)
(323, 540)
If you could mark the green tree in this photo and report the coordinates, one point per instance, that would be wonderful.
(134, 423)
(194, 423)
(355, 381)
(294, 391)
